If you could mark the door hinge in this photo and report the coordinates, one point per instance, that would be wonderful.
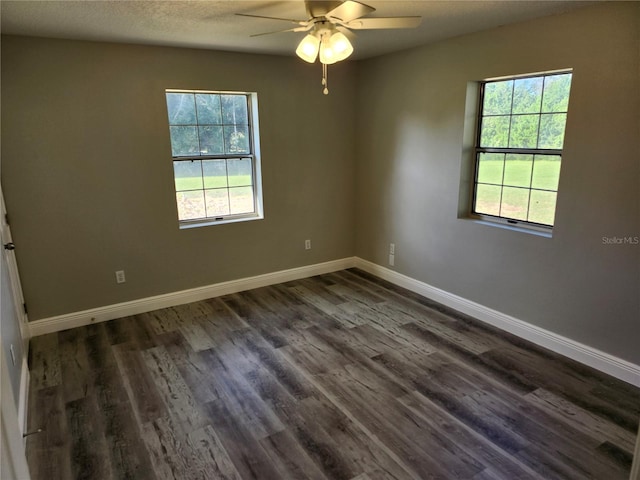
(24, 307)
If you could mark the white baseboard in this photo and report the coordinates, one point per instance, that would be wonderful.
(584, 354)
(134, 307)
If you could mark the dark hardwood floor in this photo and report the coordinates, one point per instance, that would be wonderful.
(340, 376)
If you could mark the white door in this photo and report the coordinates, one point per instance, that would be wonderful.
(14, 376)
(13, 461)
(8, 251)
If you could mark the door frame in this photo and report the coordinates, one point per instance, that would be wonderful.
(14, 276)
(12, 445)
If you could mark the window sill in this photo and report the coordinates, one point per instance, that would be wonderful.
(183, 225)
(538, 231)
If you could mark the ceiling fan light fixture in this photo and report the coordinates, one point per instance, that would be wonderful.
(341, 46)
(334, 48)
(308, 48)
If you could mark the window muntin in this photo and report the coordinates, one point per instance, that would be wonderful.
(519, 148)
(214, 150)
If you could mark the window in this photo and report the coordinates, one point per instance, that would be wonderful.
(519, 148)
(215, 151)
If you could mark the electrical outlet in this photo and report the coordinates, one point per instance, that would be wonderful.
(120, 278)
(13, 355)
(392, 259)
(392, 249)
(307, 244)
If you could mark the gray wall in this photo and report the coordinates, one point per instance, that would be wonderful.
(88, 179)
(411, 109)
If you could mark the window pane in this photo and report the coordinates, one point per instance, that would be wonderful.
(517, 170)
(497, 98)
(546, 172)
(527, 95)
(490, 167)
(240, 172)
(236, 139)
(543, 207)
(217, 202)
(184, 141)
(556, 93)
(190, 205)
(524, 131)
(495, 132)
(515, 203)
(234, 110)
(188, 175)
(552, 130)
(488, 199)
(208, 106)
(181, 109)
(241, 200)
(211, 142)
(215, 173)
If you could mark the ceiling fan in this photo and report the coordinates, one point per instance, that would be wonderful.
(329, 26)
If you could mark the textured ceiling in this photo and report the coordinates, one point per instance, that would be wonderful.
(214, 25)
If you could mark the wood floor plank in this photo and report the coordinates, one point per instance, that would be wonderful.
(98, 349)
(143, 393)
(173, 390)
(210, 459)
(245, 451)
(583, 420)
(44, 363)
(197, 336)
(499, 463)
(405, 434)
(162, 321)
(276, 364)
(169, 452)
(239, 399)
(284, 449)
(135, 329)
(444, 389)
(320, 286)
(128, 454)
(48, 452)
(338, 376)
(192, 367)
(312, 438)
(74, 364)
(315, 299)
(356, 444)
(533, 371)
(89, 454)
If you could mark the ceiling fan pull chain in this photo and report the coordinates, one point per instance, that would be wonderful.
(325, 81)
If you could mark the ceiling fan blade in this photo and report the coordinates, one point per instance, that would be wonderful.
(349, 10)
(346, 32)
(296, 29)
(384, 22)
(298, 22)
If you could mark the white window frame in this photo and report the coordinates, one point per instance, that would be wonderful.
(514, 224)
(254, 155)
